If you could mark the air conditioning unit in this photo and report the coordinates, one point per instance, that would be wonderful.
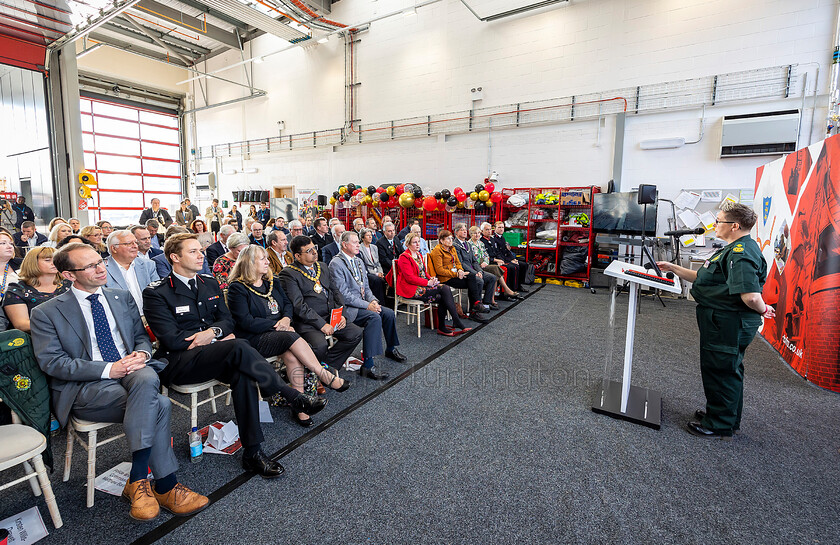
(205, 180)
(769, 133)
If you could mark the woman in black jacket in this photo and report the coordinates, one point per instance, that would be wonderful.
(262, 314)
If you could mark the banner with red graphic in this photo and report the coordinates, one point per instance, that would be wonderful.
(797, 199)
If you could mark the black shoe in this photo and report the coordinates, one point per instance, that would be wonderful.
(344, 385)
(700, 414)
(475, 317)
(371, 373)
(478, 307)
(396, 355)
(300, 421)
(523, 289)
(262, 465)
(696, 429)
(308, 404)
(494, 306)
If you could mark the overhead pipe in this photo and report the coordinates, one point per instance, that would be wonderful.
(226, 103)
(516, 11)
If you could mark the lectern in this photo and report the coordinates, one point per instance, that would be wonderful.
(622, 400)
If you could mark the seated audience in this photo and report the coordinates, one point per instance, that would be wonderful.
(153, 227)
(224, 263)
(93, 346)
(445, 265)
(480, 251)
(162, 264)
(500, 253)
(390, 247)
(8, 263)
(75, 224)
(58, 233)
(144, 242)
(126, 271)
(155, 212)
(369, 253)
(358, 225)
(236, 216)
(296, 230)
(413, 282)
(407, 229)
(249, 221)
(28, 237)
(93, 233)
(279, 256)
(280, 225)
(322, 235)
(38, 282)
(219, 247)
(307, 284)
(204, 236)
(486, 282)
(348, 275)
(256, 236)
(331, 250)
(374, 228)
(262, 315)
(188, 340)
(74, 238)
(8, 217)
(263, 214)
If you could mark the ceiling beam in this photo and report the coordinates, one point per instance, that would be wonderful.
(161, 43)
(168, 38)
(111, 27)
(185, 21)
(136, 49)
(216, 13)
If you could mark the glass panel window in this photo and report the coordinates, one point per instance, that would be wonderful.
(148, 132)
(117, 145)
(164, 168)
(87, 123)
(87, 142)
(103, 125)
(115, 110)
(159, 151)
(159, 119)
(117, 164)
(118, 181)
(153, 184)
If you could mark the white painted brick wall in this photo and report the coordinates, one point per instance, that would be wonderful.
(426, 64)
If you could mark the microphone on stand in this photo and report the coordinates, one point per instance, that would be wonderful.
(681, 232)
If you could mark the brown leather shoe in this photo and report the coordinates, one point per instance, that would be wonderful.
(181, 501)
(144, 506)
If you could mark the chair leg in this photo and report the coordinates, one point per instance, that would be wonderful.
(33, 480)
(418, 320)
(68, 455)
(228, 398)
(91, 473)
(213, 400)
(193, 410)
(48, 492)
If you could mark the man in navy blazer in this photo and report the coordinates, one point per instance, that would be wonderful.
(127, 271)
(28, 237)
(349, 276)
(220, 246)
(144, 242)
(91, 342)
(331, 250)
(390, 247)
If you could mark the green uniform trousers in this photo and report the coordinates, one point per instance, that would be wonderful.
(724, 337)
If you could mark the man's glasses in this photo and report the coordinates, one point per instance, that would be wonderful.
(132, 243)
(91, 267)
(313, 250)
(720, 221)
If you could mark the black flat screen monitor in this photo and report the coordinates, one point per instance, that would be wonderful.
(621, 213)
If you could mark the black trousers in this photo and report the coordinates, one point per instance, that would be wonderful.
(347, 338)
(471, 283)
(516, 274)
(377, 286)
(233, 362)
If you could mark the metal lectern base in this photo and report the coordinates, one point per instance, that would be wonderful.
(643, 406)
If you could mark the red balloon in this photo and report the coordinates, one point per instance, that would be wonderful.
(356, 192)
(490, 187)
(441, 205)
(380, 190)
(461, 196)
(496, 196)
(457, 190)
(430, 204)
(400, 189)
(419, 203)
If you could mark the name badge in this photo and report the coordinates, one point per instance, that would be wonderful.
(706, 264)
(181, 310)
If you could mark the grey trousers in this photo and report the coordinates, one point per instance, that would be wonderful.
(135, 401)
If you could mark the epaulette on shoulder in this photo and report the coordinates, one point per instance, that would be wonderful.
(155, 284)
(207, 275)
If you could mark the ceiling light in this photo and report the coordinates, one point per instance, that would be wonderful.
(324, 40)
(410, 12)
(258, 60)
(664, 143)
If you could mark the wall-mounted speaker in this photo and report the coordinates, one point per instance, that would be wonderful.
(647, 194)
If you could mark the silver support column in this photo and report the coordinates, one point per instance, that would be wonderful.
(66, 131)
(618, 152)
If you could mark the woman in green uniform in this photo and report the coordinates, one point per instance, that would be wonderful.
(727, 289)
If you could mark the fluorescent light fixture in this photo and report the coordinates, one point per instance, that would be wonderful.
(258, 60)
(324, 40)
(663, 143)
(410, 12)
(249, 171)
(230, 172)
(87, 50)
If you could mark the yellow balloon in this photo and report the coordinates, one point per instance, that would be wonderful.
(366, 200)
(474, 196)
(484, 195)
(363, 191)
(332, 200)
(390, 191)
(342, 190)
(407, 200)
(460, 204)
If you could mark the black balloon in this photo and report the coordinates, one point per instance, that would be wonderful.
(418, 193)
(384, 196)
(371, 190)
(479, 188)
(351, 188)
(479, 205)
(452, 201)
(347, 196)
(445, 194)
(336, 194)
(438, 195)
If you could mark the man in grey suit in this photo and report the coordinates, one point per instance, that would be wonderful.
(127, 271)
(92, 344)
(486, 282)
(348, 276)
